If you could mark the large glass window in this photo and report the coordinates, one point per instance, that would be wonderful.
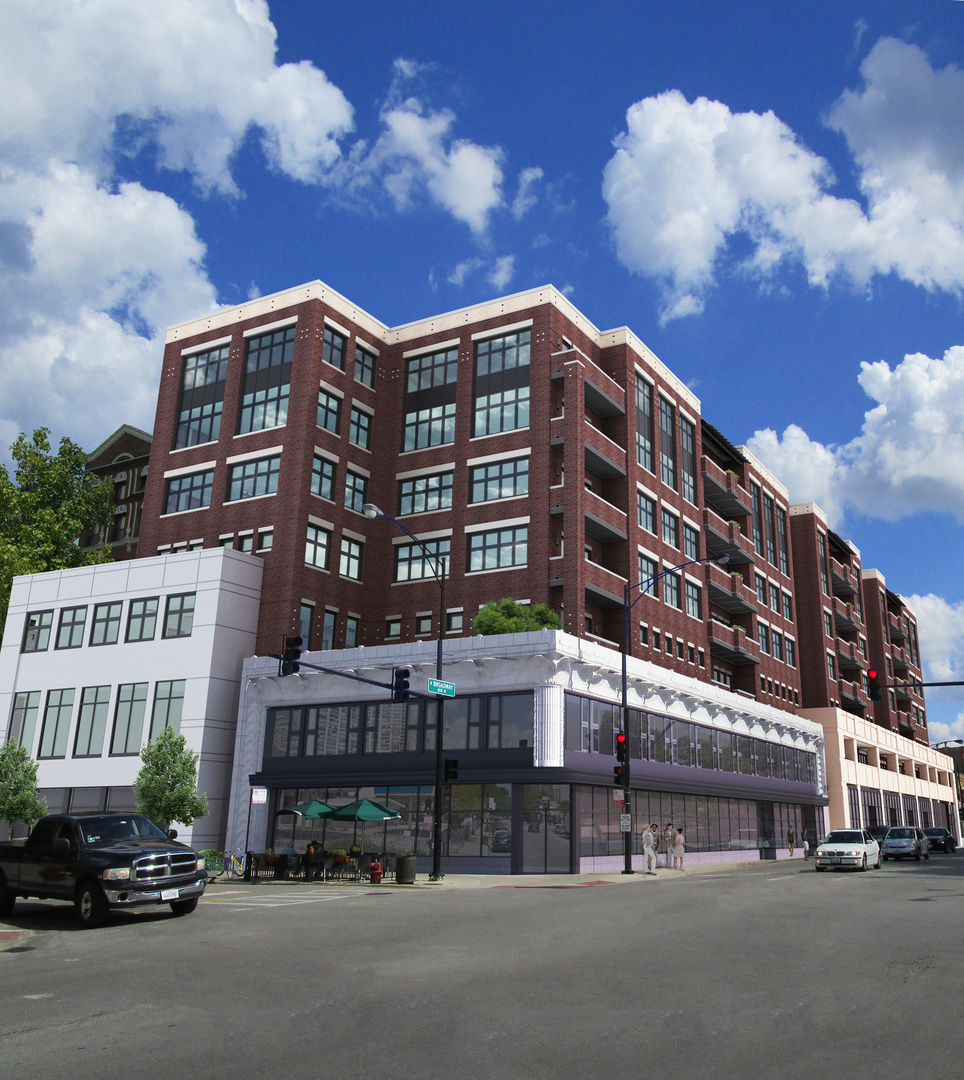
(70, 631)
(349, 563)
(644, 423)
(248, 479)
(92, 721)
(56, 725)
(769, 524)
(670, 528)
(671, 591)
(191, 492)
(333, 349)
(782, 542)
(502, 383)
(694, 606)
(168, 706)
(202, 397)
(36, 631)
(691, 542)
(23, 721)
(317, 546)
(422, 494)
(105, 627)
(756, 517)
(323, 477)
(430, 390)
(646, 512)
(329, 411)
(129, 719)
(179, 618)
(667, 443)
(687, 439)
(360, 428)
(142, 619)
(500, 480)
(648, 570)
(356, 487)
(412, 564)
(267, 379)
(364, 366)
(498, 549)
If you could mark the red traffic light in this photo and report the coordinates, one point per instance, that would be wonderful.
(873, 684)
(622, 747)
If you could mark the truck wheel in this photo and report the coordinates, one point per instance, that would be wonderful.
(184, 907)
(91, 905)
(7, 898)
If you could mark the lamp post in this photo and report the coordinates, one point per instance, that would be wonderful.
(371, 511)
(643, 587)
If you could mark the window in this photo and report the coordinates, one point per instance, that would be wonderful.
(667, 443)
(422, 494)
(129, 719)
(202, 397)
(92, 721)
(70, 631)
(349, 562)
(643, 634)
(782, 542)
(56, 725)
(333, 349)
(694, 606)
(831, 667)
(328, 630)
(429, 405)
(644, 423)
(252, 478)
(141, 619)
(351, 632)
(23, 721)
(412, 565)
(191, 492)
(788, 607)
(791, 652)
(671, 593)
(647, 571)
(646, 512)
(763, 637)
(360, 428)
(179, 618)
(777, 645)
(691, 542)
(267, 378)
(316, 547)
(356, 486)
(168, 705)
(687, 438)
(774, 598)
(670, 528)
(364, 366)
(36, 633)
(105, 627)
(499, 480)
(246, 541)
(756, 516)
(322, 477)
(329, 411)
(822, 560)
(770, 528)
(828, 624)
(498, 549)
(454, 620)
(304, 625)
(265, 539)
(423, 624)
(761, 588)
(393, 628)
(502, 384)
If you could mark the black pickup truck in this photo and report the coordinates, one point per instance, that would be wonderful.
(100, 862)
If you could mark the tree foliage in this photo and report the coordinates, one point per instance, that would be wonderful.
(506, 616)
(20, 799)
(50, 501)
(166, 786)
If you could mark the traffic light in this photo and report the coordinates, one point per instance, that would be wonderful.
(291, 655)
(621, 771)
(873, 684)
(451, 769)
(400, 685)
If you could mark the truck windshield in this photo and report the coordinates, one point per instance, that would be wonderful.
(109, 828)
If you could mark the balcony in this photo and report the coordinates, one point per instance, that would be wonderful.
(849, 657)
(845, 617)
(604, 588)
(728, 591)
(842, 579)
(895, 629)
(900, 664)
(602, 394)
(603, 520)
(853, 697)
(724, 537)
(721, 489)
(731, 645)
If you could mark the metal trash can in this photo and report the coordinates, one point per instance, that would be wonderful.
(405, 869)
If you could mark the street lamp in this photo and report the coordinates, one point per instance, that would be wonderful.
(371, 511)
(643, 586)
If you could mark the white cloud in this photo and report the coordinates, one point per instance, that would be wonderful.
(463, 270)
(502, 272)
(909, 456)
(498, 273)
(687, 177)
(941, 627)
(525, 197)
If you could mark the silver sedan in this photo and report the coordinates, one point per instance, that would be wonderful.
(906, 842)
(847, 847)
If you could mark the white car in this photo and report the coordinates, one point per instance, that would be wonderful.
(847, 847)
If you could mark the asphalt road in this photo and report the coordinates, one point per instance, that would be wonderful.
(764, 973)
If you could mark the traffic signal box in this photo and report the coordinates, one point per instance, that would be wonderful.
(291, 655)
(621, 771)
(873, 684)
(400, 684)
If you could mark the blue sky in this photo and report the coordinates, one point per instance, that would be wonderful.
(770, 195)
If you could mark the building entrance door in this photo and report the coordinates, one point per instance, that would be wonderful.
(546, 829)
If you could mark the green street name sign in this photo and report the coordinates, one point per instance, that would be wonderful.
(437, 686)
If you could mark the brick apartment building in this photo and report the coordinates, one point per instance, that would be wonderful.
(123, 459)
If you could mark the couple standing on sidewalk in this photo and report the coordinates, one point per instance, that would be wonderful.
(673, 847)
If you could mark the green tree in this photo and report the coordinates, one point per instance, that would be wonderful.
(506, 616)
(50, 501)
(166, 786)
(20, 800)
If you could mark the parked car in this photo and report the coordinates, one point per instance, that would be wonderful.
(501, 840)
(878, 832)
(941, 839)
(847, 847)
(905, 842)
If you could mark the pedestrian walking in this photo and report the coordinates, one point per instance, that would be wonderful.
(791, 840)
(669, 839)
(679, 849)
(806, 845)
(650, 839)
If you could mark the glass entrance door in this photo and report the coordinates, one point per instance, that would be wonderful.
(546, 829)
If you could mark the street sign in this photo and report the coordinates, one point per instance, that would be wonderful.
(259, 796)
(438, 686)
(619, 797)
(625, 822)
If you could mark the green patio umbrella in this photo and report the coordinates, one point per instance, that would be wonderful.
(361, 810)
(313, 809)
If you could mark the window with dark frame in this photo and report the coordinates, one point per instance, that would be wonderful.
(364, 366)
(304, 625)
(694, 603)
(106, 623)
(23, 719)
(267, 381)
(317, 546)
(92, 721)
(411, 564)
(501, 390)
(423, 494)
(691, 542)
(687, 438)
(350, 558)
(329, 411)
(129, 719)
(429, 404)
(190, 492)
(360, 428)
(351, 632)
(333, 349)
(670, 528)
(323, 477)
(671, 591)
(356, 488)
(646, 511)
(56, 724)
(202, 397)
(328, 630)
(667, 443)
(168, 707)
(249, 479)
(179, 617)
(644, 423)
(36, 631)
(498, 549)
(70, 629)
(142, 619)
(499, 480)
